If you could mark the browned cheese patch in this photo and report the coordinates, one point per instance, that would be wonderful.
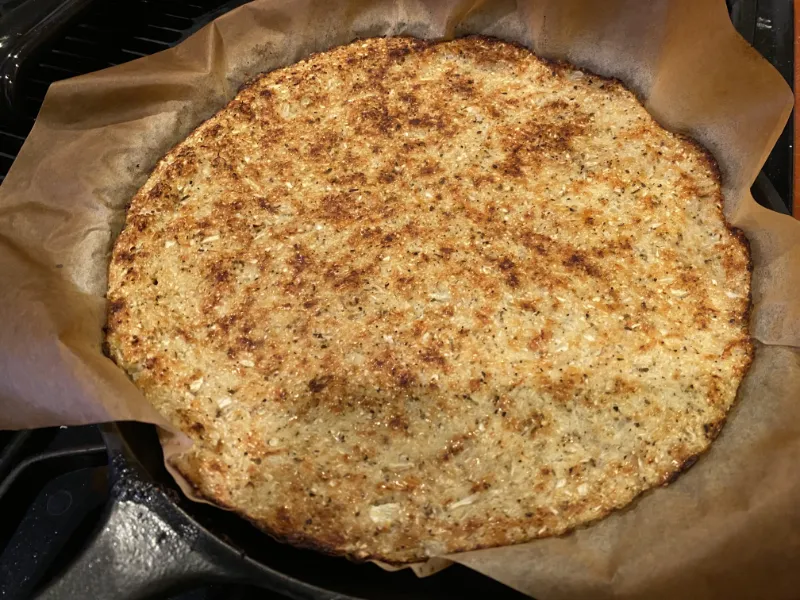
(411, 298)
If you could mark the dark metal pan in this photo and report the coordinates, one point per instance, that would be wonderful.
(152, 541)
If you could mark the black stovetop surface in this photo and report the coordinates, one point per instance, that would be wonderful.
(53, 487)
(54, 482)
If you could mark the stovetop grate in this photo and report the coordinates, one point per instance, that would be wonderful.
(107, 33)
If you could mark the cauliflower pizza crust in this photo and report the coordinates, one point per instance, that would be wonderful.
(413, 298)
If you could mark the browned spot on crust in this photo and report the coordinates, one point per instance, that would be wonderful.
(319, 383)
(687, 464)
(116, 305)
(338, 208)
(506, 264)
(406, 379)
(579, 261)
(124, 256)
(481, 486)
(454, 447)
(537, 141)
(624, 386)
(541, 339)
(398, 422)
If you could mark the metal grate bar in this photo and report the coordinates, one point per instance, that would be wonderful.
(69, 72)
(21, 138)
(196, 6)
(166, 28)
(91, 27)
(152, 41)
(67, 53)
(72, 38)
(133, 52)
(35, 101)
(180, 16)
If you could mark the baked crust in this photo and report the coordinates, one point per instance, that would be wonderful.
(413, 298)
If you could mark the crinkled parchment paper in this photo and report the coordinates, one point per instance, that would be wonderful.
(730, 527)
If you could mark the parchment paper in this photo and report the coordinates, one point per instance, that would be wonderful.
(730, 527)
